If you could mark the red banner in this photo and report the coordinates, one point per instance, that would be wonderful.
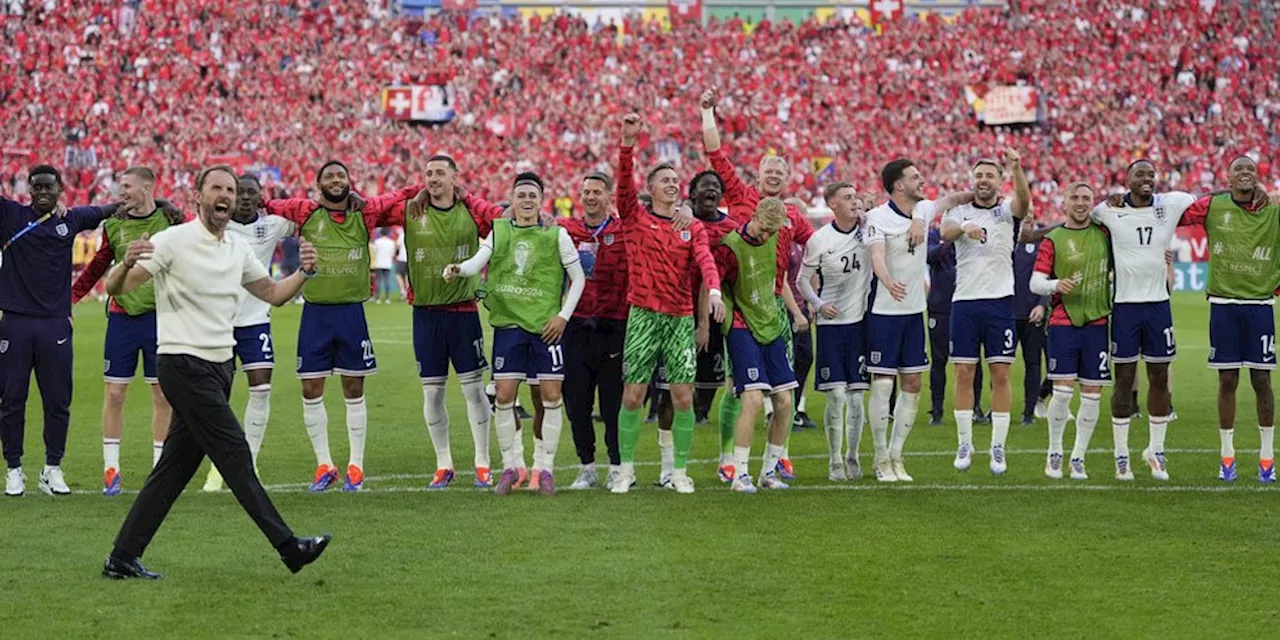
(458, 5)
(684, 10)
(1198, 240)
(883, 11)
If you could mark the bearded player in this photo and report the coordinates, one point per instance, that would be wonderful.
(982, 322)
(333, 336)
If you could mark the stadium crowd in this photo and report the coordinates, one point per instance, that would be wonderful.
(102, 85)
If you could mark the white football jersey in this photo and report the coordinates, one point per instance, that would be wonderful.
(984, 268)
(887, 226)
(844, 272)
(1139, 239)
(262, 236)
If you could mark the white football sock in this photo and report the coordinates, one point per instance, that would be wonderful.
(111, 453)
(1119, 432)
(833, 423)
(1158, 426)
(904, 418)
(1228, 437)
(667, 452)
(741, 460)
(157, 448)
(478, 416)
(1087, 421)
(800, 405)
(768, 408)
(539, 455)
(1268, 435)
(999, 428)
(436, 414)
(357, 428)
(504, 422)
(552, 424)
(1059, 415)
(256, 412)
(853, 423)
(964, 426)
(316, 420)
(772, 452)
(878, 409)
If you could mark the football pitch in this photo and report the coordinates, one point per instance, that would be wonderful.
(952, 554)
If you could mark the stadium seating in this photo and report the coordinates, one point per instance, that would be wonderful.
(284, 85)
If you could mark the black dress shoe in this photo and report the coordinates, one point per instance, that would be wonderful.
(935, 419)
(300, 552)
(120, 570)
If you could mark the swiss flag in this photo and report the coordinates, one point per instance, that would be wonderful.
(883, 11)
(457, 5)
(684, 10)
(398, 103)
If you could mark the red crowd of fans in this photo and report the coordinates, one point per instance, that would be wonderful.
(98, 85)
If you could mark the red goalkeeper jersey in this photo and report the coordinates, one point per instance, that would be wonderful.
(661, 259)
(743, 198)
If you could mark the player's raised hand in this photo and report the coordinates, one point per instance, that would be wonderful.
(452, 271)
(1012, 159)
(829, 311)
(307, 256)
(632, 125)
(554, 330)
(140, 249)
(710, 98)
(897, 290)
(716, 304)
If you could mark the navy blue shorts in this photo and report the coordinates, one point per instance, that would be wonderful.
(762, 367)
(1142, 329)
(1080, 353)
(896, 344)
(983, 324)
(334, 339)
(520, 355)
(441, 337)
(127, 336)
(253, 347)
(840, 359)
(1242, 335)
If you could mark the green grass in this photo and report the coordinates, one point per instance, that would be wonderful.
(961, 555)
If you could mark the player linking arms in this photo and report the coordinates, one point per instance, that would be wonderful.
(527, 265)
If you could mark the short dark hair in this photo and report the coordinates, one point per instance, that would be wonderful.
(989, 162)
(141, 172)
(705, 173)
(832, 189)
(602, 177)
(250, 176)
(204, 173)
(661, 167)
(440, 157)
(1137, 162)
(45, 169)
(1242, 157)
(526, 177)
(892, 172)
(327, 165)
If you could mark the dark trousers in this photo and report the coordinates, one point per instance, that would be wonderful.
(803, 348)
(939, 353)
(1034, 344)
(42, 344)
(593, 365)
(203, 424)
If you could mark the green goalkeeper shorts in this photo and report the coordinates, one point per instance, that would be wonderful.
(654, 337)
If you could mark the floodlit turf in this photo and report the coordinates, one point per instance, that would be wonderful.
(953, 554)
